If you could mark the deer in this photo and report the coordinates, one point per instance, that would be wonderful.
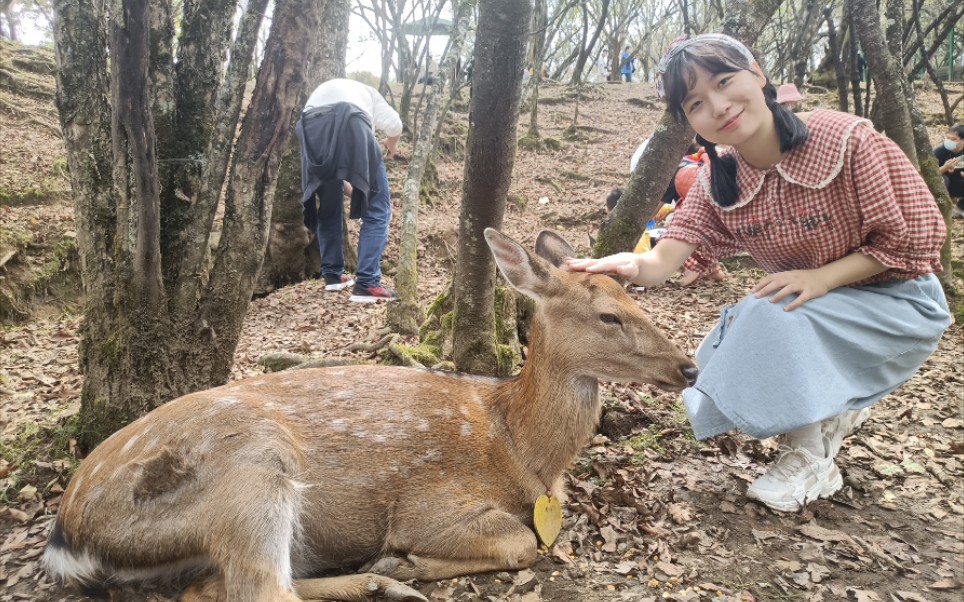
(255, 490)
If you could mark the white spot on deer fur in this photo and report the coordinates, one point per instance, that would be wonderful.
(130, 443)
(339, 425)
(227, 401)
(464, 411)
(431, 456)
(422, 425)
(466, 429)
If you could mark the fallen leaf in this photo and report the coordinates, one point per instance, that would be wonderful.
(949, 583)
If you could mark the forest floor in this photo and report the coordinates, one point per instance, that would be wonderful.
(652, 514)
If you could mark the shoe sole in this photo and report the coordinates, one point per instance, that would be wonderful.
(832, 486)
(340, 286)
(364, 299)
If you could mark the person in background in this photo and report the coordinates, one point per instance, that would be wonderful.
(603, 66)
(627, 65)
(950, 157)
(790, 97)
(675, 192)
(340, 156)
(849, 237)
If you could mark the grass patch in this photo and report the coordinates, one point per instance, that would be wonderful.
(640, 442)
(38, 454)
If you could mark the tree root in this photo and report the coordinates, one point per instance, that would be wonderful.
(403, 356)
(31, 117)
(371, 347)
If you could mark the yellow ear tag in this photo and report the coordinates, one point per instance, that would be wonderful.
(547, 517)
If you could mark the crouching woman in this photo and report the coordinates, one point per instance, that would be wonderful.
(849, 236)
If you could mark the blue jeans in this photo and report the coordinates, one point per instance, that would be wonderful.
(371, 238)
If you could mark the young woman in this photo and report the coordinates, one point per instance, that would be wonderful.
(849, 236)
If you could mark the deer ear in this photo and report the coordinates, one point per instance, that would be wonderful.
(531, 275)
(553, 248)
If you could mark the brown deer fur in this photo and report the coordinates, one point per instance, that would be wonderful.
(416, 474)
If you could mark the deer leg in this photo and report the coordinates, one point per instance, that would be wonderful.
(356, 588)
(250, 541)
(493, 541)
(214, 589)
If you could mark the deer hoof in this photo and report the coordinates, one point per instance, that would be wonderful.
(386, 565)
(399, 592)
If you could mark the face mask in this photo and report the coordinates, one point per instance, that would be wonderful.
(951, 145)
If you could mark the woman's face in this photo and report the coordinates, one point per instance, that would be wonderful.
(727, 108)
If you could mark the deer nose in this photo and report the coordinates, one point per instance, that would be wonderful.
(690, 373)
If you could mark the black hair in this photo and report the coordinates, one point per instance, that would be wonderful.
(718, 57)
(958, 129)
(613, 197)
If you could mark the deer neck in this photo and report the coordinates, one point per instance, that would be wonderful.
(550, 411)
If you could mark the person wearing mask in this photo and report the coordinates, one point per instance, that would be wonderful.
(950, 157)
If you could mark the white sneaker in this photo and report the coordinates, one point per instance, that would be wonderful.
(838, 428)
(796, 478)
(957, 212)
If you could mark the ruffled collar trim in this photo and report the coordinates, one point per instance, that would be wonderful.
(814, 164)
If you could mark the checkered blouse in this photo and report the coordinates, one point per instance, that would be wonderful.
(847, 188)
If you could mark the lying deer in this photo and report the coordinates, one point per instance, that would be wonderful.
(416, 474)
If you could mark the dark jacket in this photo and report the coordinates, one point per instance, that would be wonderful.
(337, 143)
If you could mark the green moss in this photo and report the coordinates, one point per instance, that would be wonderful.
(552, 144)
(423, 353)
(618, 234)
(448, 321)
(39, 450)
(507, 358)
(648, 439)
(530, 143)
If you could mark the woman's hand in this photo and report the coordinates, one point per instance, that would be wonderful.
(623, 265)
(806, 284)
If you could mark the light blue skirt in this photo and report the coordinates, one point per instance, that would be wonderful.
(767, 371)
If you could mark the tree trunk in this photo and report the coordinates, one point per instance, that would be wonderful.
(7, 9)
(856, 73)
(621, 229)
(494, 112)
(405, 315)
(838, 69)
(536, 60)
(292, 253)
(894, 112)
(138, 348)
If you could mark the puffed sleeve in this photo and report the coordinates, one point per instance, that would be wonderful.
(697, 221)
(901, 224)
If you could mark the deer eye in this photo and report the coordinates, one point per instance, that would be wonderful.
(610, 319)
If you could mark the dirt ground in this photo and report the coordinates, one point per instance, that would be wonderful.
(652, 514)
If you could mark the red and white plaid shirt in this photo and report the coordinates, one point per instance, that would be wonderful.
(847, 189)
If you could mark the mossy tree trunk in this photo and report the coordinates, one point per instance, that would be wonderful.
(619, 232)
(893, 111)
(158, 323)
(405, 315)
(500, 46)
